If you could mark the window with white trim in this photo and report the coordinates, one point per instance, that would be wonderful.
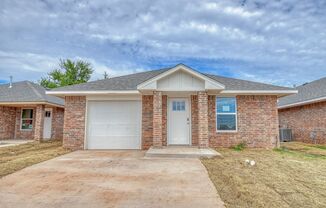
(226, 114)
(27, 119)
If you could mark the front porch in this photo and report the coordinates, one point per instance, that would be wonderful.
(175, 109)
(182, 152)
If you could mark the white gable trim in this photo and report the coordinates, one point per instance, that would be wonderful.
(210, 84)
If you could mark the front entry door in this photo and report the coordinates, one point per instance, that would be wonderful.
(178, 121)
(47, 124)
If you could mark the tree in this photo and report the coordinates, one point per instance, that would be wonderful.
(69, 73)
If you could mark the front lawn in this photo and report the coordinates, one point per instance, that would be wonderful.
(14, 158)
(291, 176)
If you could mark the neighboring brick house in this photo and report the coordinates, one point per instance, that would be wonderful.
(26, 112)
(173, 106)
(305, 112)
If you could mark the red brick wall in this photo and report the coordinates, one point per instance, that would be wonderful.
(194, 120)
(147, 121)
(7, 122)
(257, 122)
(10, 123)
(164, 119)
(39, 122)
(157, 119)
(74, 122)
(57, 123)
(305, 119)
(24, 134)
(203, 137)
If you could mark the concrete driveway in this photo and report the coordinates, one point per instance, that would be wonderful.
(110, 179)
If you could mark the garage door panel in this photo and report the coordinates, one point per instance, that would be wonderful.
(116, 142)
(114, 125)
(114, 130)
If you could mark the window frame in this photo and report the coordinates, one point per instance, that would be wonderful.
(178, 106)
(22, 119)
(235, 113)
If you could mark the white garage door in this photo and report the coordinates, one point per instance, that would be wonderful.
(113, 124)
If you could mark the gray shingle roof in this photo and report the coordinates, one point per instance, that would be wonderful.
(127, 82)
(26, 91)
(130, 82)
(238, 84)
(306, 92)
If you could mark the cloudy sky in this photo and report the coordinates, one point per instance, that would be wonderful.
(279, 42)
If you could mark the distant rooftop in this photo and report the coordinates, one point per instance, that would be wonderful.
(309, 91)
(26, 91)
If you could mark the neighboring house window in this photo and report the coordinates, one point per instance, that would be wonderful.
(226, 114)
(27, 119)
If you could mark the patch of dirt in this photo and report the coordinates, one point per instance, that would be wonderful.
(279, 179)
(17, 157)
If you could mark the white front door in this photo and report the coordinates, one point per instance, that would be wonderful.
(47, 124)
(178, 121)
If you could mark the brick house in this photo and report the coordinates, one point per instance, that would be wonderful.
(305, 112)
(26, 112)
(173, 106)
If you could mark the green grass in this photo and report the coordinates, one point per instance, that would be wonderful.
(323, 147)
(284, 150)
(239, 147)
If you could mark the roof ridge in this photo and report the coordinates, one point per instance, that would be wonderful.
(312, 82)
(132, 74)
(103, 80)
(34, 90)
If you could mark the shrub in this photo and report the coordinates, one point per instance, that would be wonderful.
(239, 147)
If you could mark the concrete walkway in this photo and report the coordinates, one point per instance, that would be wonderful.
(110, 179)
(182, 152)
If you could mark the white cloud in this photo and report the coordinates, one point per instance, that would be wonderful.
(280, 41)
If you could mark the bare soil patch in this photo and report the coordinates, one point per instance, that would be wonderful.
(17, 157)
(291, 176)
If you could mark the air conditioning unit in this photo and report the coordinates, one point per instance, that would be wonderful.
(285, 135)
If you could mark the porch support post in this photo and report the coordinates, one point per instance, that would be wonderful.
(157, 119)
(39, 122)
(203, 120)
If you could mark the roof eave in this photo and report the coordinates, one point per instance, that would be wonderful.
(31, 103)
(94, 92)
(279, 93)
(306, 102)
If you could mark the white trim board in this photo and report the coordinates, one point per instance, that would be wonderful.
(94, 92)
(280, 93)
(30, 104)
